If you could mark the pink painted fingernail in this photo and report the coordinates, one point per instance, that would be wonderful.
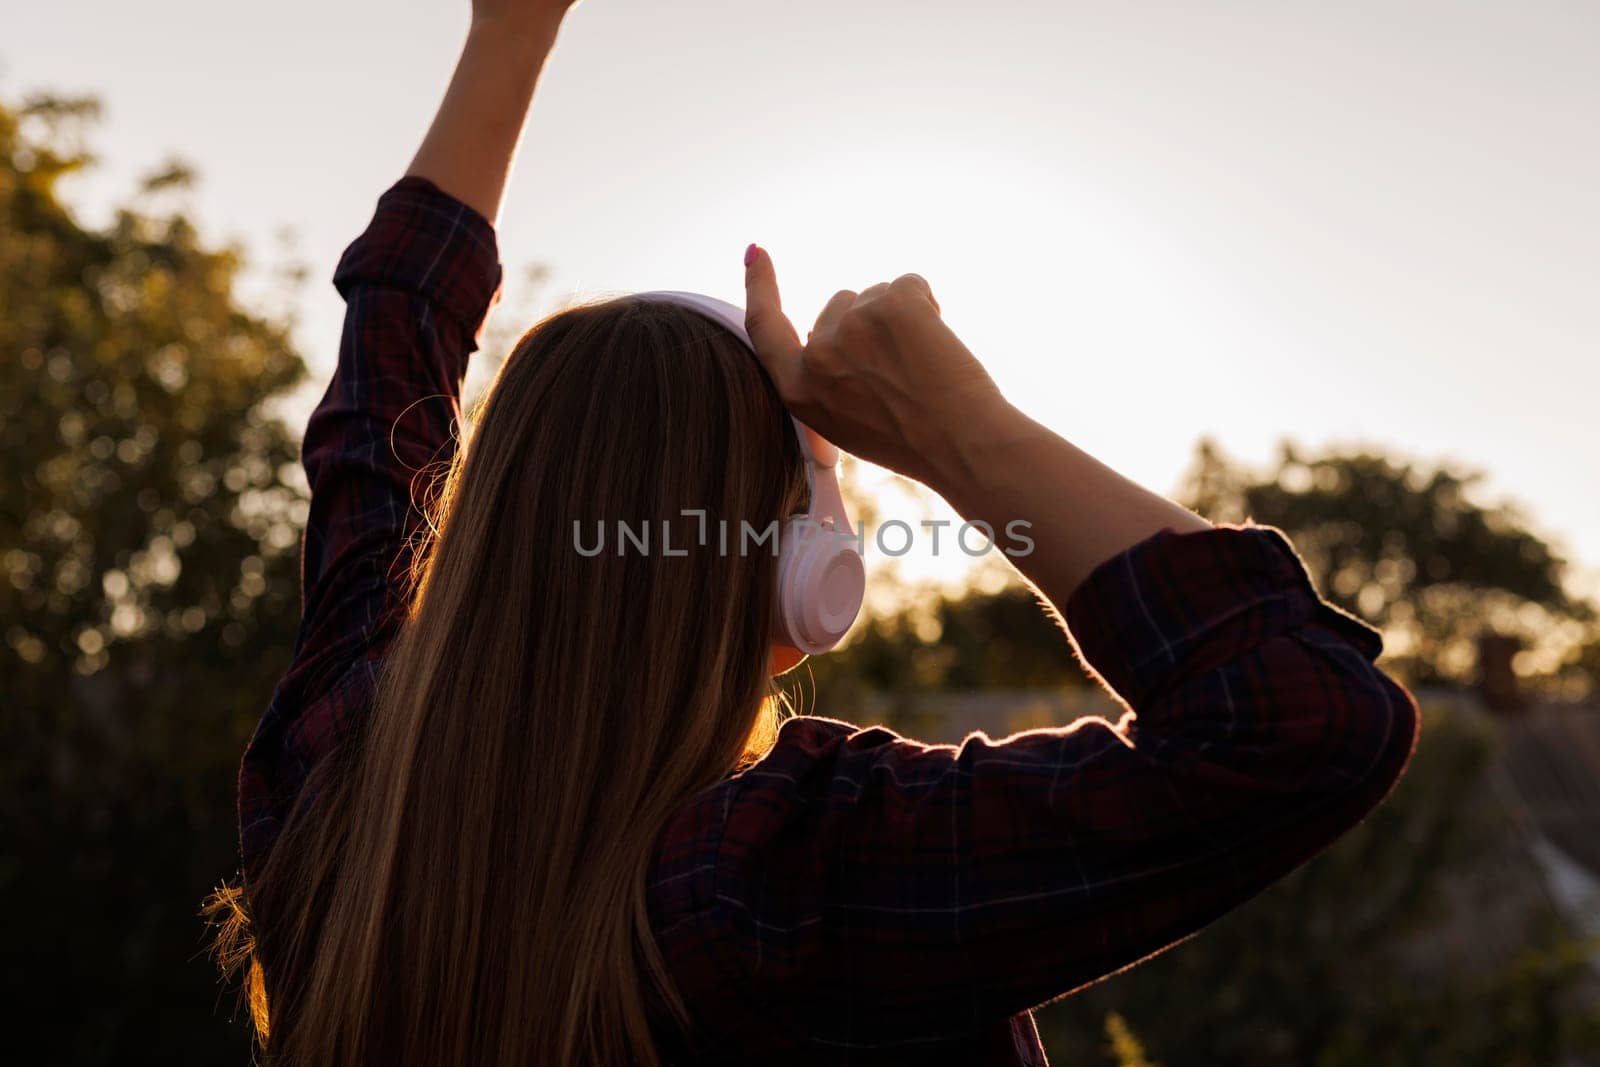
(750, 255)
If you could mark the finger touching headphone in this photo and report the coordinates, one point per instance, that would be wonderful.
(821, 576)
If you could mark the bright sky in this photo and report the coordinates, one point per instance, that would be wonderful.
(1356, 222)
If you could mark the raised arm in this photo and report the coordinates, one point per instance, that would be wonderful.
(856, 889)
(417, 284)
(862, 890)
(470, 148)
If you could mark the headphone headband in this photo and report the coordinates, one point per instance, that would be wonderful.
(821, 577)
(817, 450)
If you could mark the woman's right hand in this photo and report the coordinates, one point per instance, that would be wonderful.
(880, 374)
(536, 12)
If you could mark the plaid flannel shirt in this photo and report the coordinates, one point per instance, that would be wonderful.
(856, 896)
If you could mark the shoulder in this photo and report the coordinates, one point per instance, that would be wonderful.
(814, 762)
(686, 855)
(690, 907)
(812, 759)
(762, 833)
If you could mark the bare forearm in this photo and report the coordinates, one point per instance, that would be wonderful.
(1005, 467)
(469, 149)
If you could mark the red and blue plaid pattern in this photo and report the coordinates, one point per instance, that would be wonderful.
(857, 897)
(418, 285)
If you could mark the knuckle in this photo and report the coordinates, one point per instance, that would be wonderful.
(874, 310)
(858, 324)
(914, 293)
(909, 290)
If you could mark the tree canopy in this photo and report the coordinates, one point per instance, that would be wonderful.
(1406, 545)
(1413, 549)
(148, 586)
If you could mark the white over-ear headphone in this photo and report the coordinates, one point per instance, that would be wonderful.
(821, 579)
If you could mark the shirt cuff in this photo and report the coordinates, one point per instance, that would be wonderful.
(1177, 603)
(426, 241)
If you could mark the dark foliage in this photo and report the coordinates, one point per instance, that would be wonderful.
(1411, 548)
(148, 592)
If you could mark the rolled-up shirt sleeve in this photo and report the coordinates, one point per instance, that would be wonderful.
(418, 284)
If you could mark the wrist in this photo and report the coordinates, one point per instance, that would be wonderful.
(972, 446)
(519, 29)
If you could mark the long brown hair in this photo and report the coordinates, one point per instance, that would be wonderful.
(465, 884)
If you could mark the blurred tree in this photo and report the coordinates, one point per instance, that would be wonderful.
(918, 637)
(980, 641)
(1124, 1044)
(148, 600)
(1409, 548)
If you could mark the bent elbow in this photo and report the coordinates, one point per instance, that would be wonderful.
(1397, 723)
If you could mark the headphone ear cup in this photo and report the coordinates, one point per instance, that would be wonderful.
(821, 584)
